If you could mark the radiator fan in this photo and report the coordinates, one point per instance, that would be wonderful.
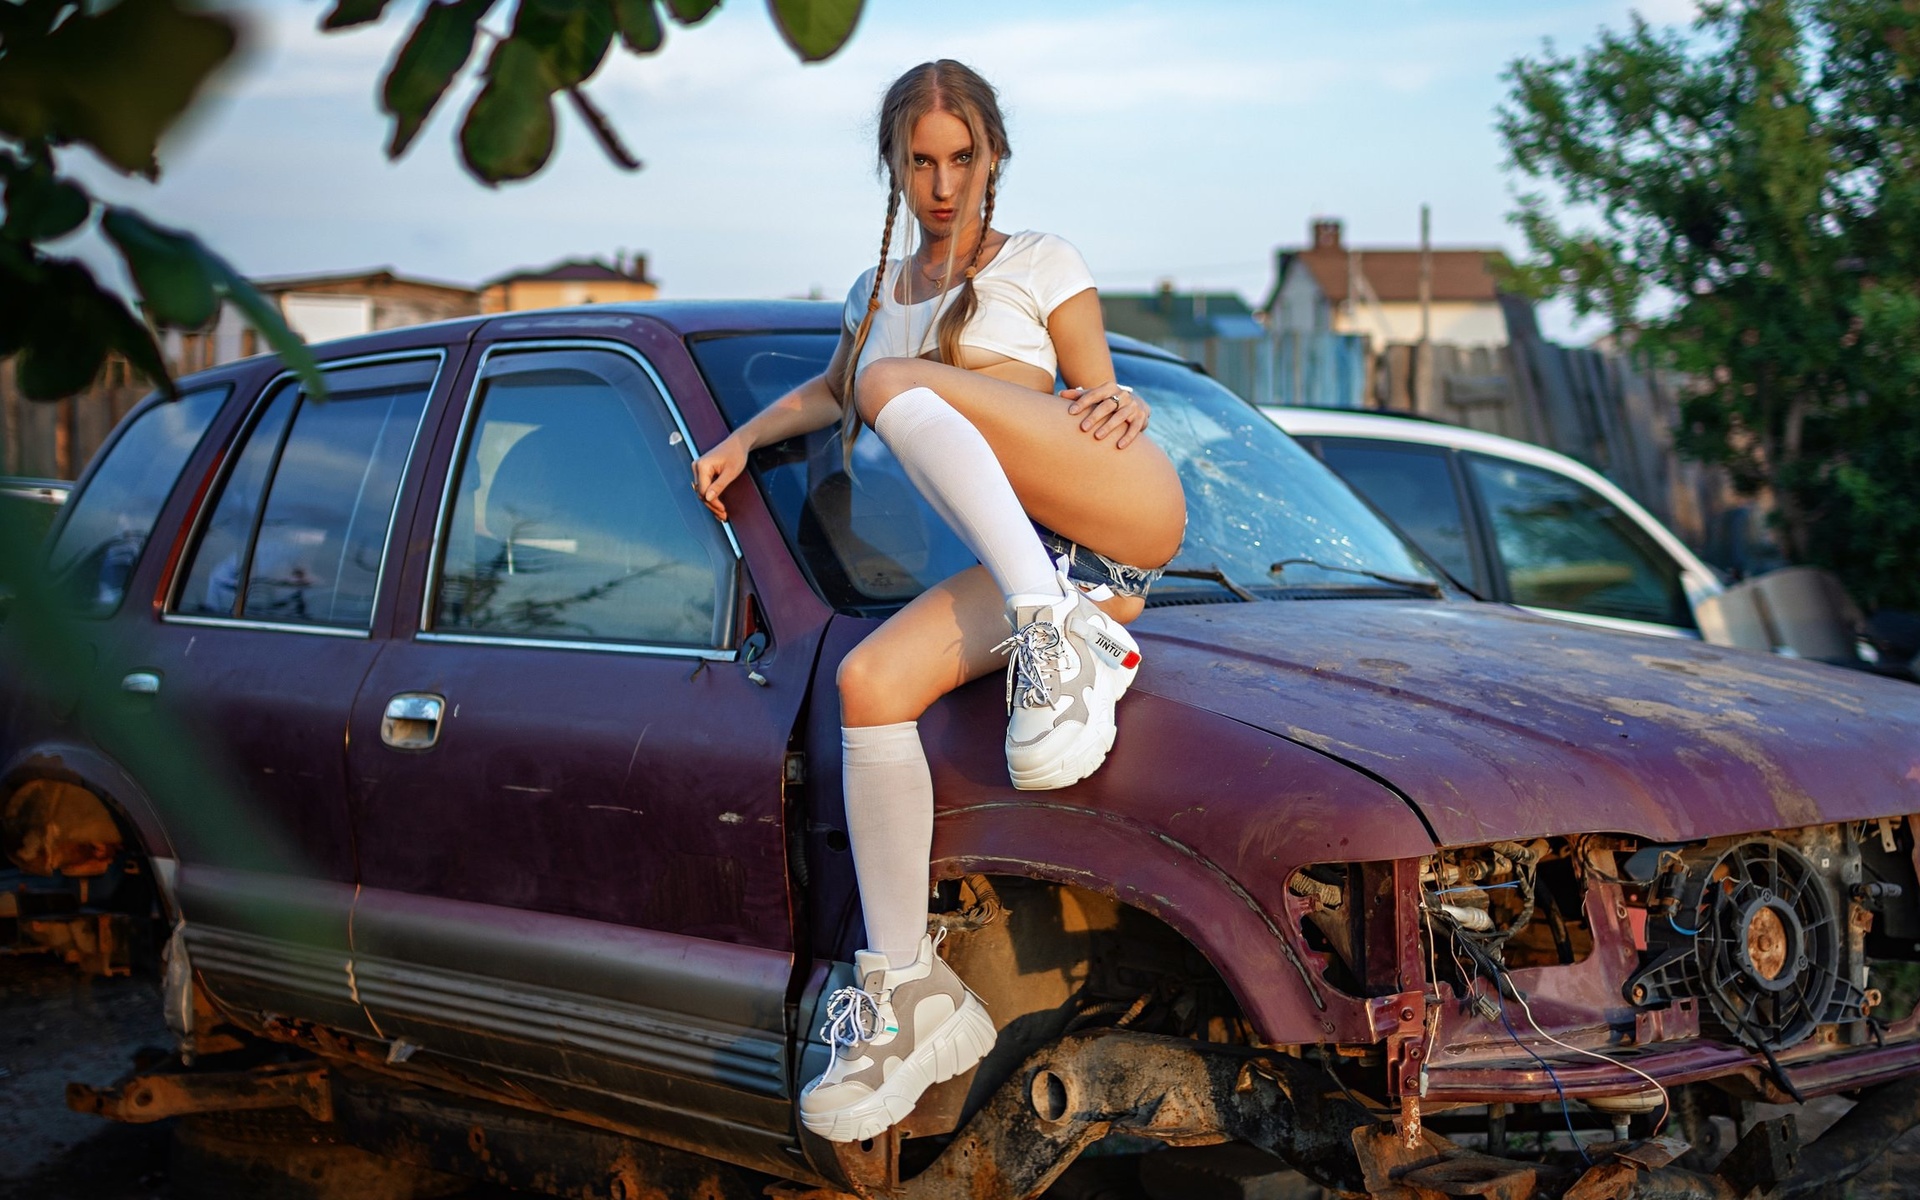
(1757, 934)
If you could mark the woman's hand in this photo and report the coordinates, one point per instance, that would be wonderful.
(1110, 408)
(717, 468)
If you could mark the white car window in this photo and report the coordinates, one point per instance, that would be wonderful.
(1566, 547)
(1413, 486)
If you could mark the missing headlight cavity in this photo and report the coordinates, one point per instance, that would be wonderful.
(1519, 904)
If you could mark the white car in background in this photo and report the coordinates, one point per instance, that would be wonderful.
(1517, 523)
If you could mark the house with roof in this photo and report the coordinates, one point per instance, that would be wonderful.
(319, 308)
(1330, 287)
(574, 281)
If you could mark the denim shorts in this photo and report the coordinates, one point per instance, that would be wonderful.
(1093, 572)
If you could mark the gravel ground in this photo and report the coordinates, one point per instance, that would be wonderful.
(57, 1027)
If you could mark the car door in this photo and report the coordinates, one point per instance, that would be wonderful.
(1565, 550)
(251, 667)
(567, 787)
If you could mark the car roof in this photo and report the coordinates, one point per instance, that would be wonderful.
(1394, 427)
(686, 318)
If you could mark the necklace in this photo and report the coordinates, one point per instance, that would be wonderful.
(926, 268)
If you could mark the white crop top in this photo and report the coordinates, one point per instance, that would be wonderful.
(1017, 291)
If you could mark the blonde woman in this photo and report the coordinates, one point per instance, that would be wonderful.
(948, 353)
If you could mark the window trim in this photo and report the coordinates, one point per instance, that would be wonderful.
(429, 594)
(231, 457)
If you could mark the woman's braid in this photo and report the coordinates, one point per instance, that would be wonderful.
(849, 420)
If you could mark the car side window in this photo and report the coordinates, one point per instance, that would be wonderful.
(1413, 486)
(107, 524)
(299, 532)
(572, 518)
(1566, 547)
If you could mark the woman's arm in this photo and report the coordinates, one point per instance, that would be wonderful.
(813, 405)
(1080, 339)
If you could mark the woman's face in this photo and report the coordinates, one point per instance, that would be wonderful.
(939, 191)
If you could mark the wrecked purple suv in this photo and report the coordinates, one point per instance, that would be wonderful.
(483, 792)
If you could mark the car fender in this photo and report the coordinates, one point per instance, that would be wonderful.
(1196, 819)
(90, 768)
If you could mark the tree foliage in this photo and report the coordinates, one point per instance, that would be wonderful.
(112, 79)
(550, 48)
(1741, 199)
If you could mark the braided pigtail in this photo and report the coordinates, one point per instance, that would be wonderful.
(849, 414)
(953, 322)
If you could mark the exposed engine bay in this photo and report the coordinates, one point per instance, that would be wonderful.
(1773, 938)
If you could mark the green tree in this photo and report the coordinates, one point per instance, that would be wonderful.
(112, 79)
(1741, 199)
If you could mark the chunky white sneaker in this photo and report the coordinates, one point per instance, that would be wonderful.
(902, 1031)
(1068, 665)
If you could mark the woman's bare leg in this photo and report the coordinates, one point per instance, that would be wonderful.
(943, 639)
(1125, 504)
(1070, 663)
(933, 645)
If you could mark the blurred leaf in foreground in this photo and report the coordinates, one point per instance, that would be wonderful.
(553, 46)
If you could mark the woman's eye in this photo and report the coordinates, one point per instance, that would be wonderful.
(964, 159)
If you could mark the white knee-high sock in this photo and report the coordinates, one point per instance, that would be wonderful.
(889, 793)
(955, 469)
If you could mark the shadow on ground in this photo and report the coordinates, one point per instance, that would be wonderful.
(58, 1026)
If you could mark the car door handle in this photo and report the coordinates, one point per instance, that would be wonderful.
(141, 683)
(412, 721)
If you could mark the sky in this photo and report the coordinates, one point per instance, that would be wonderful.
(1183, 141)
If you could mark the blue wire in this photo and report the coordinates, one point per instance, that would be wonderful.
(1565, 1115)
(1681, 929)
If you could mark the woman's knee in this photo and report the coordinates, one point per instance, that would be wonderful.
(880, 381)
(868, 696)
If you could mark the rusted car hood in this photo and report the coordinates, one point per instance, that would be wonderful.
(1495, 723)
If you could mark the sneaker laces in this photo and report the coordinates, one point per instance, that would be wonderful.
(1032, 651)
(853, 1017)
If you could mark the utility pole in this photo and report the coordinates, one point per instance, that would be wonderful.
(1423, 354)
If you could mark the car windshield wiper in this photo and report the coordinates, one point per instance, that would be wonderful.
(1426, 587)
(1213, 574)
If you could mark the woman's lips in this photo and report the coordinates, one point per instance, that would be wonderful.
(942, 214)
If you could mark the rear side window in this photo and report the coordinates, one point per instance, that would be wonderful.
(1566, 547)
(299, 532)
(572, 518)
(108, 523)
(1413, 485)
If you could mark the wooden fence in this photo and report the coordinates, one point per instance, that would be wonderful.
(1599, 406)
(55, 439)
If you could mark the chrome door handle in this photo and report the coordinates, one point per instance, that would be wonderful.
(141, 683)
(412, 721)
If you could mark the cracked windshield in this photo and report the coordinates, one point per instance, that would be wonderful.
(1255, 499)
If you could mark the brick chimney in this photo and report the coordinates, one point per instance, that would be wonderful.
(1326, 233)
